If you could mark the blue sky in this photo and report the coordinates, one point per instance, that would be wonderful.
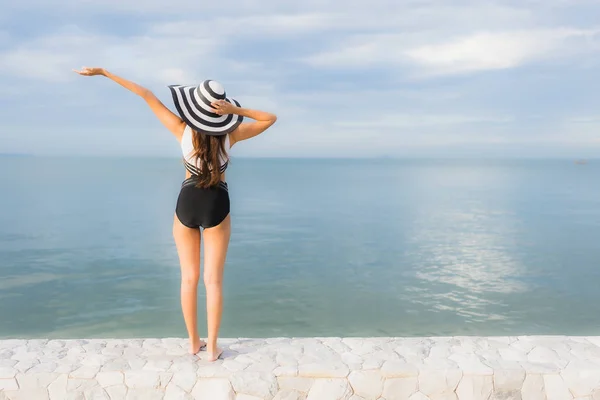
(376, 78)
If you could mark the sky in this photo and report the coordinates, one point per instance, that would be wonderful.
(378, 78)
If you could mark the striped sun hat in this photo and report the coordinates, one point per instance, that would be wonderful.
(194, 106)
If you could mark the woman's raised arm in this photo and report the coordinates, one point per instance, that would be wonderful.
(171, 121)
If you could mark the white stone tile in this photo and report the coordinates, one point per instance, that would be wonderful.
(25, 356)
(439, 364)
(439, 352)
(509, 380)
(295, 384)
(432, 382)
(213, 370)
(350, 358)
(522, 345)
(80, 385)
(43, 367)
(96, 393)
(185, 380)
(144, 394)
(555, 388)
(116, 392)
(416, 354)
(475, 387)
(24, 366)
(541, 354)
(367, 384)
(12, 343)
(213, 389)
(8, 364)
(471, 364)
(164, 378)
(324, 370)
(112, 378)
(28, 394)
(399, 388)
(57, 390)
(151, 342)
(286, 371)
(141, 379)
(247, 397)
(331, 389)
(8, 384)
(184, 366)
(94, 360)
(371, 364)
(288, 395)
(59, 344)
(137, 363)
(510, 395)
(253, 383)
(174, 392)
(157, 365)
(418, 396)
(36, 381)
(582, 378)
(396, 369)
(533, 387)
(116, 365)
(449, 396)
(540, 368)
(85, 372)
(7, 372)
(289, 350)
(260, 366)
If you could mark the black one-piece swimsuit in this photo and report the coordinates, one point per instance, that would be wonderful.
(201, 207)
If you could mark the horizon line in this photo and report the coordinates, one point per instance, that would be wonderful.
(372, 157)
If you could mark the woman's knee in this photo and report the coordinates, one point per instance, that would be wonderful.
(190, 278)
(213, 281)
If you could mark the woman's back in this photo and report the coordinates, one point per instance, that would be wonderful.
(192, 162)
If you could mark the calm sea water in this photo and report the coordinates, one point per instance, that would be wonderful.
(319, 248)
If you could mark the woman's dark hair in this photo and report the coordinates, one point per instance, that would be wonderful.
(209, 150)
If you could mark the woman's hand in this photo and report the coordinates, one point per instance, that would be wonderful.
(223, 107)
(86, 71)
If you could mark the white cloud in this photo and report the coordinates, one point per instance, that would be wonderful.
(401, 120)
(489, 51)
(590, 119)
(248, 25)
(157, 59)
(473, 52)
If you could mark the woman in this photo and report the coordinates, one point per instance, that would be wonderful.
(208, 125)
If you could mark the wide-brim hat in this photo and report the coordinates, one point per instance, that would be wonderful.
(194, 106)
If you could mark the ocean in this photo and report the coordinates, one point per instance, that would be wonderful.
(319, 247)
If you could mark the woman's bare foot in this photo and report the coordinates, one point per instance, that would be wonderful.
(197, 345)
(213, 355)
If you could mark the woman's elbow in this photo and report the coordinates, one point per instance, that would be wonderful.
(146, 94)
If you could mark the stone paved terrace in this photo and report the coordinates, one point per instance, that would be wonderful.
(528, 368)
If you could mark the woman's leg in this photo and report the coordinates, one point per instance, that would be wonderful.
(187, 241)
(216, 242)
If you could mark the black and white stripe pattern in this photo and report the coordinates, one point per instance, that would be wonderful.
(192, 180)
(194, 170)
(194, 106)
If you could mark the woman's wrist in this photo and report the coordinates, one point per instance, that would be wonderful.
(237, 110)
